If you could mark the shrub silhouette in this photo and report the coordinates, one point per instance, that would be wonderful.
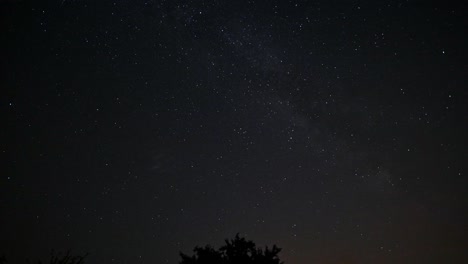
(65, 259)
(56, 259)
(236, 251)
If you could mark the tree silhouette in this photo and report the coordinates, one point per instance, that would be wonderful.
(236, 251)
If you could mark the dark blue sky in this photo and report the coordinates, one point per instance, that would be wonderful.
(137, 129)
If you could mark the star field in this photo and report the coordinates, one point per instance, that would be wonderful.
(133, 130)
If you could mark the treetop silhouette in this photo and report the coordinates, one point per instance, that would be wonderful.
(236, 251)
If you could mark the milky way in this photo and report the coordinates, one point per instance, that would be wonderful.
(137, 129)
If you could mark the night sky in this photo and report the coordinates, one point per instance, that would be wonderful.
(133, 130)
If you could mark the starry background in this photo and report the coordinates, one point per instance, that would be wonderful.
(137, 129)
